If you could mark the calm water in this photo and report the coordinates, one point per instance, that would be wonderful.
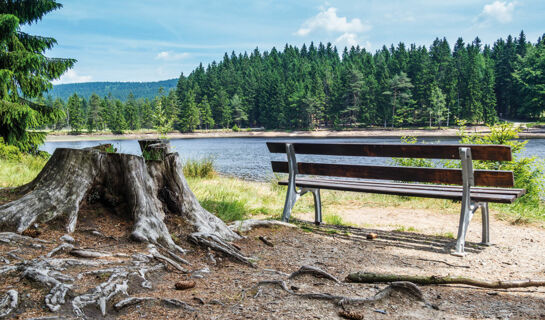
(249, 158)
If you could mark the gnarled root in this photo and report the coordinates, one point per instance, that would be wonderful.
(215, 243)
(317, 272)
(8, 303)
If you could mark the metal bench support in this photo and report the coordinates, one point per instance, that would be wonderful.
(293, 194)
(468, 206)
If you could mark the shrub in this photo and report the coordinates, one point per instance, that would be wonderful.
(8, 152)
(236, 128)
(528, 171)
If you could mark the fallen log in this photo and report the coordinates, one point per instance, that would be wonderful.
(370, 277)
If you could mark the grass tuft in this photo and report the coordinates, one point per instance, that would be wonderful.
(201, 168)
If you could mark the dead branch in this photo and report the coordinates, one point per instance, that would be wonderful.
(369, 277)
(247, 225)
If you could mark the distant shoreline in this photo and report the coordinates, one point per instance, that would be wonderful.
(359, 133)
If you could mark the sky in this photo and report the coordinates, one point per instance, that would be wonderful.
(144, 40)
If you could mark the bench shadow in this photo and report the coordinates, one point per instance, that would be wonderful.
(400, 239)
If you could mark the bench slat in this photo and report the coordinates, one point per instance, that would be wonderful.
(428, 151)
(403, 191)
(507, 191)
(492, 178)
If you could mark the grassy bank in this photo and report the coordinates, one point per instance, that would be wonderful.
(234, 199)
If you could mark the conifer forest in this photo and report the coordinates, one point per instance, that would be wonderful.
(316, 86)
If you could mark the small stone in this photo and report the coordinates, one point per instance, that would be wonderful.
(184, 285)
(67, 238)
(372, 236)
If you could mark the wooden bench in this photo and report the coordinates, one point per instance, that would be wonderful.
(474, 188)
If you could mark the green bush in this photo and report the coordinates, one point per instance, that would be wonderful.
(411, 162)
(8, 152)
(236, 128)
(203, 168)
(528, 171)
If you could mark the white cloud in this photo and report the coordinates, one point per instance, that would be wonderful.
(501, 11)
(71, 76)
(347, 39)
(171, 56)
(328, 20)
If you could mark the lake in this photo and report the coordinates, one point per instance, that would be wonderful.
(248, 158)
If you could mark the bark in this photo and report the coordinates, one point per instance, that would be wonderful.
(145, 190)
(367, 277)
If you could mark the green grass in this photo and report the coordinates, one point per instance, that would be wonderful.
(234, 199)
(334, 219)
(405, 229)
(14, 173)
(202, 168)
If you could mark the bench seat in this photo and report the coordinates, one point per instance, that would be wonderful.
(497, 195)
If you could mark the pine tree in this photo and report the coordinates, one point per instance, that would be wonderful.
(25, 73)
(531, 79)
(206, 113)
(400, 95)
(189, 115)
(76, 116)
(131, 113)
(437, 106)
(94, 117)
(238, 111)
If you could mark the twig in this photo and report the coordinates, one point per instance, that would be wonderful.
(440, 261)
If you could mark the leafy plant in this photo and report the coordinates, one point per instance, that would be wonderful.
(411, 162)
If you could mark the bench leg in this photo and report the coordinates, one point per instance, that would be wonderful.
(486, 231)
(317, 206)
(468, 209)
(291, 197)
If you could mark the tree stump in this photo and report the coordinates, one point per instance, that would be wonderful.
(145, 188)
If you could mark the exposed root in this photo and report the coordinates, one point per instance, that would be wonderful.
(157, 255)
(136, 300)
(41, 272)
(215, 243)
(247, 225)
(116, 284)
(402, 286)
(317, 272)
(89, 254)
(8, 237)
(8, 303)
(64, 247)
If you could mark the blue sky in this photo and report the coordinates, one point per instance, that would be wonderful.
(137, 40)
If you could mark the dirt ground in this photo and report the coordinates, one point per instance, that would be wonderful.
(227, 290)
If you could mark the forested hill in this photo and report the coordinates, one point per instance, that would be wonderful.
(403, 85)
(119, 90)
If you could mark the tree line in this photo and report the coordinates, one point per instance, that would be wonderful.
(314, 87)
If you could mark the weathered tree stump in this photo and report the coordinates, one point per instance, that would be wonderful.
(146, 189)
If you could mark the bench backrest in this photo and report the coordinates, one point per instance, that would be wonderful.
(491, 178)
